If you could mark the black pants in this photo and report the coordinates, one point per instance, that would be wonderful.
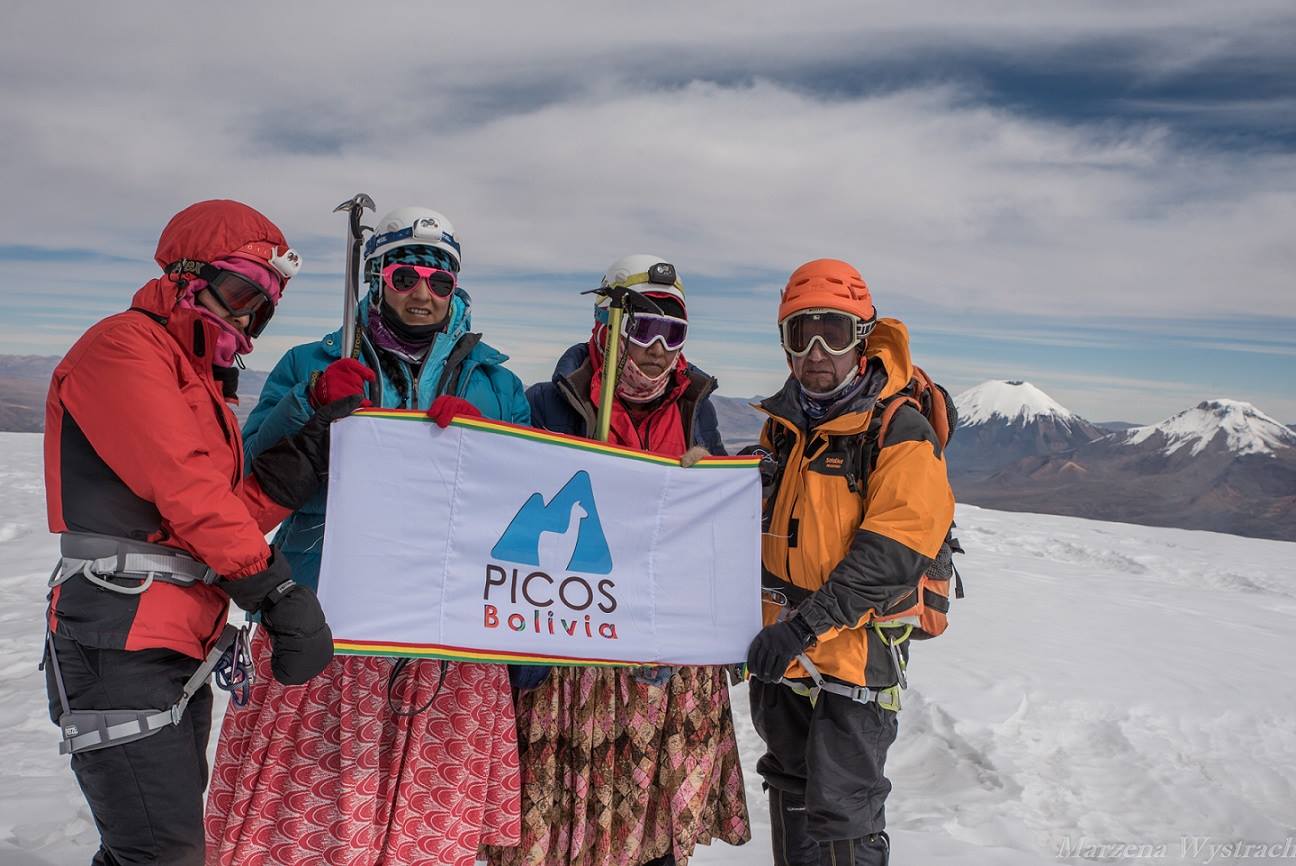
(146, 796)
(827, 758)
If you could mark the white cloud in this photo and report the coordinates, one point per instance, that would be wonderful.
(560, 138)
(929, 191)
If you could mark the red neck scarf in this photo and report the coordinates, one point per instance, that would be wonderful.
(659, 430)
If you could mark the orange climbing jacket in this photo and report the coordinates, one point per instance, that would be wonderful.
(857, 518)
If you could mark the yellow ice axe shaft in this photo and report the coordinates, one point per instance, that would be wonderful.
(622, 301)
(611, 361)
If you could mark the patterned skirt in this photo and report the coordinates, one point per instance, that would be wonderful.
(616, 772)
(326, 773)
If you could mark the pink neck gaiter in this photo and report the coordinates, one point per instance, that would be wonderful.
(638, 387)
(230, 339)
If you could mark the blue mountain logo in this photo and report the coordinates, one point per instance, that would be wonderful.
(572, 507)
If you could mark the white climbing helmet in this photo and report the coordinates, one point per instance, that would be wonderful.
(644, 273)
(412, 226)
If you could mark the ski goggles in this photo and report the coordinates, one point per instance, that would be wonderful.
(240, 296)
(836, 332)
(644, 329)
(404, 278)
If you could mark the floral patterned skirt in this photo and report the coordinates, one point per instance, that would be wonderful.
(326, 773)
(616, 772)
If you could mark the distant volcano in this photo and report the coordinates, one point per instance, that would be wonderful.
(1221, 465)
(1002, 422)
(1226, 425)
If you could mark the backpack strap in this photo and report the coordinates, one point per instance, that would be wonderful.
(864, 455)
(781, 446)
(889, 409)
(955, 547)
(871, 441)
(943, 415)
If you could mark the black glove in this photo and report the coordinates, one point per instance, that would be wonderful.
(768, 467)
(774, 647)
(251, 592)
(292, 470)
(301, 643)
(527, 677)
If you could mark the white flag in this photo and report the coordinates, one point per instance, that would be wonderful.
(491, 542)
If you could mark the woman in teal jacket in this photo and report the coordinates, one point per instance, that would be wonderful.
(409, 761)
(285, 406)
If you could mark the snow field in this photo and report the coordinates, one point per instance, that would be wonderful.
(1101, 683)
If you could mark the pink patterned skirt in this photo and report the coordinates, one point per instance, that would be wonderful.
(326, 773)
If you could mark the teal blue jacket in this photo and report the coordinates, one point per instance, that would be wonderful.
(283, 407)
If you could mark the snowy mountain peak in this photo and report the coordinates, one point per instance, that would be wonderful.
(1246, 430)
(1012, 401)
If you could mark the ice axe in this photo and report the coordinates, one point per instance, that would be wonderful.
(623, 302)
(355, 206)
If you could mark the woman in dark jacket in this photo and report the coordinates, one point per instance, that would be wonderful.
(623, 767)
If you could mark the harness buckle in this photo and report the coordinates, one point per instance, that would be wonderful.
(889, 699)
(235, 671)
(774, 596)
(893, 647)
(898, 662)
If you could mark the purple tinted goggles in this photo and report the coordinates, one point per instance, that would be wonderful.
(644, 329)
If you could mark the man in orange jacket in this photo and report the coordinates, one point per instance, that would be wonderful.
(850, 526)
(161, 524)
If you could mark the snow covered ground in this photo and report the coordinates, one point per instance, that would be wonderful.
(1102, 685)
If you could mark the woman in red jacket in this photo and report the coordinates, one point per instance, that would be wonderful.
(162, 524)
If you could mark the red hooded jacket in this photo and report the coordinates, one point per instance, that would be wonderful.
(139, 443)
(659, 430)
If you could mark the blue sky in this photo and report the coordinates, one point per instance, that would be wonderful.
(1097, 197)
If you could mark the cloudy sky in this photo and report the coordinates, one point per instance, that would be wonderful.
(1098, 197)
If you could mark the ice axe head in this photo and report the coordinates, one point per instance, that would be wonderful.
(623, 298)
(356, 205)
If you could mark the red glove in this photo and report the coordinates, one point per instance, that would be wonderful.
(445, 408)
(343, 378)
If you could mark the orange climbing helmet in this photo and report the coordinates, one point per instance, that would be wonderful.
(826, 284)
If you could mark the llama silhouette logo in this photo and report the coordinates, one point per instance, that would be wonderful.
(549, 525)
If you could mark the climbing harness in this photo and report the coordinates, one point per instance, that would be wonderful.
(887, 698)
(87, 730)
(129, 567)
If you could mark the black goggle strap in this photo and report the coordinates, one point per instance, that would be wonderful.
(186, 266)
